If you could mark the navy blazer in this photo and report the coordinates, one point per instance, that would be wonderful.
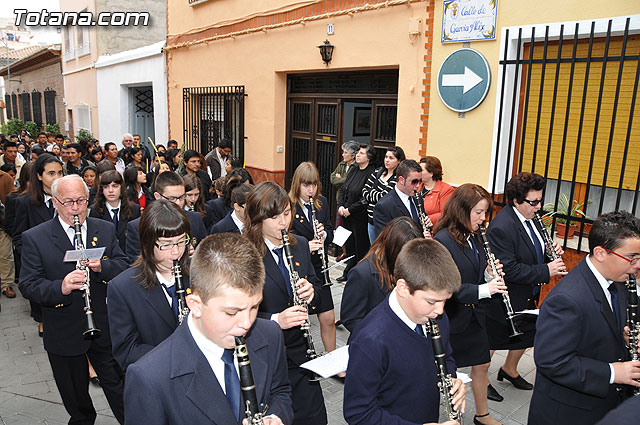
(10, 213)
(121, 230)
(276, 297)
(625, 414)
(41, 278)
(301, 226)
(576, 339)
(511, 244)
(362, 293)
(28, 215)
(198, 233)
(465, 304)
(140, 318)
(226, 225)
(388, 207)
(215, 210)
(174, 383)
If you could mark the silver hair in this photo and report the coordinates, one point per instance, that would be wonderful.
(56, 183)
(351, 146)
(127, 135)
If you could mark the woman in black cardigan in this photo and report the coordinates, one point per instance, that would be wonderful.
(353, 208)
(457, 230)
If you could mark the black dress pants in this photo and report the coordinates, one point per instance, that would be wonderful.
(72, 379)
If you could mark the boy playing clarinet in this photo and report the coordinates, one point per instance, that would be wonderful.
(391, 376)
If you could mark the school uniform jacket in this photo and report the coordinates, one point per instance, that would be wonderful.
(388, 207)
(174, 383)
(576, 339)
(41, 278)
(121, 230)
(28, 215)
(226, 225)
(362, 293)
(302, 227)
(140, 318)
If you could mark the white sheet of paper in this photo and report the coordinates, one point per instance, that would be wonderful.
(463, 377)
(535, 312)
(74, 255)
(329, 364)
(341, 235)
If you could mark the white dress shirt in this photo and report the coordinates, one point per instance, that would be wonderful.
(405, 199)
(168, 284)
(237, 221)
(526, 229)
(70, 231)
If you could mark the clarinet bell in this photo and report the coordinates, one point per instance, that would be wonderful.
(513, 329)
(91, 333)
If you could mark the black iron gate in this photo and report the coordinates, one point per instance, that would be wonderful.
(210, 114)
(567, 111)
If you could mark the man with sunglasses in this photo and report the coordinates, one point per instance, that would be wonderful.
(57, 285)
(580, 349)
(170, 186)
(399, 202)
(517, 242)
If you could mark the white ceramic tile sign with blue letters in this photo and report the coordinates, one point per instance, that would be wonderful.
(469, 20)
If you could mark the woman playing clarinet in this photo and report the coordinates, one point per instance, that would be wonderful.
(457, 230)
(269, 212)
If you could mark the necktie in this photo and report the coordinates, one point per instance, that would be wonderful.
(536, 243)
(50, 207)
(231, 382)
(475, 250)
(283, 268)
(414, 211)
(115, 216)
(614, 303)
(308, 207)
(418, 329)
(73, 232)
(171, 290)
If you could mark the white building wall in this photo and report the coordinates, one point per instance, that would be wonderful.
(115, 74)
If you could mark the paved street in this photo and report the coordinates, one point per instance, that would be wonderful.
(28, 394)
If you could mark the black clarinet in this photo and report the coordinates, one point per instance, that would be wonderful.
(491, 259)
(92, 331)
(320, 252)
(252, 412)
(633, 323)
(546, 238)
(446, 383)
(425, 221)
(181, 293)
(298, 300)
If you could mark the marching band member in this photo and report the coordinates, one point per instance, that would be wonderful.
(233, 222)
(391, 376)
(517, 242)
(142, 306)
(268, 213)
(192, 377)
(457, 231)
(306, 188)
(370, 281)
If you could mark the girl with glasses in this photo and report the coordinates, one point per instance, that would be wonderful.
(143, 302)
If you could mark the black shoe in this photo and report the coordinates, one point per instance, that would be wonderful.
(95, 381)
(342, 278)
(517, 382)
(492, 394)
(338, 323)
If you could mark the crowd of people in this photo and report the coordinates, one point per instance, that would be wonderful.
(426, 288)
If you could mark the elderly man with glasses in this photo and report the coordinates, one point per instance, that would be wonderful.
(58, 286)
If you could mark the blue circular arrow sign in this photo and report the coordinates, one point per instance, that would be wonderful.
(463, 80)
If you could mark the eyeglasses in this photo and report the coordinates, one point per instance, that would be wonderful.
(80, 202)
(415, 181)
(533, 203)
(632, 261)
(168, 246)
(174, 198)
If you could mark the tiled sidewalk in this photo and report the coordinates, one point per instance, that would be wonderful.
(28, 394)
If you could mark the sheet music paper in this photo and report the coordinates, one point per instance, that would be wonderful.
(463, 377)
(74, 255)
(535, 312)
(329, 364)
(341, 235)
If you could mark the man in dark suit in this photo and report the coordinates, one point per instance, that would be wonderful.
(191, 377)
(217, 159)
(170, 186)
(580, 343)
(46, 279)
(398, 202)
(517, 242)
(380, 374)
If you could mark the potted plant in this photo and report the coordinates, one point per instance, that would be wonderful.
(565, 210)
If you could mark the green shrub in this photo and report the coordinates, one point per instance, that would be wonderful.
(83, 135)
(52, 128)
(15, 125)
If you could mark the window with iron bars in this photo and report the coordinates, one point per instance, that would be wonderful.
(7, 101)
(36, 103)
(26, 107)
(50, 106)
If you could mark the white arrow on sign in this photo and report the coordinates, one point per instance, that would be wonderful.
(468, 80)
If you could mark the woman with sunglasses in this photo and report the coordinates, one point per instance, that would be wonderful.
(142, 305)
(517, 242)
(269, 212)
(112, 205)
